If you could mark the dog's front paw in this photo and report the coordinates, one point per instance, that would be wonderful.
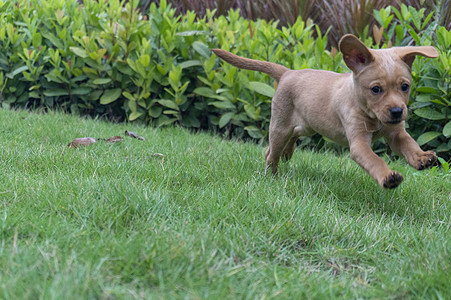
(424, 160)
(392, 180)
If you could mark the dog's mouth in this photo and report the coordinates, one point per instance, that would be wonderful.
(394, 122)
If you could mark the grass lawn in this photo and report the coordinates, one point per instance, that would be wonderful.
(115, 221)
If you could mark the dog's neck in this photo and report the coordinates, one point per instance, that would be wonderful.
(369, 128)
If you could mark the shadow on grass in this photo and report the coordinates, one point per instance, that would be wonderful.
(355, 192)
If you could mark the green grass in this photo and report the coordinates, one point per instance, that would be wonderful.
(112, 221)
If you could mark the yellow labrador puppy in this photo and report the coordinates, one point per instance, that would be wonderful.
(352, 109)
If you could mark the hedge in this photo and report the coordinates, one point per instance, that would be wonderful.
(103, 59)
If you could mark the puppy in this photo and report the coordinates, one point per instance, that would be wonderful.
(352, 109)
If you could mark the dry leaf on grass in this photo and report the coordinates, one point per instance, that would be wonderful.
(159, 154)
(134, 135)
(114, 139)
(80, 142)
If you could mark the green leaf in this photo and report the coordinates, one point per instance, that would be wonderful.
(377, 16)
(205, 91)
(17, 71)
(53, 39)
(135, 115)
(429, 114)
(190, 63)
(447, 130)
(27, 76)
(251, 111)
(94, 95)
(155, 111)
(427, 137)
(81, 91)
(191, 33)
(165, 121)
(89, 70)
(202, 49)
(52, 77)
(171, 112)
(169, 103)
(443, 37)
(102, 81)
(129, 96)
(133, 106)
(124, 68)
(110, 96)
(253, 131)
(34, 94)
(225, 119)
(79, 52)
(144, 60)
(440, 102)
(55, 93)
(209, 93)
(78, 78)
(423, 97)
(444, 147)
(175, 76)
(37, 39)
(222, 104)
(427, 89)
(262, 88)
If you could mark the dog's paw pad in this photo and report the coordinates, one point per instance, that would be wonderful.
(393, 180)
(426, 160)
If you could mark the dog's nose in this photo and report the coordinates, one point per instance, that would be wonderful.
(396, 113)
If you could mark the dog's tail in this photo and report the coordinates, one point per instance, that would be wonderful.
(274, 70)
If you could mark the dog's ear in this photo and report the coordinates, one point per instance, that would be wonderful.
(355, 54)
(408, 54)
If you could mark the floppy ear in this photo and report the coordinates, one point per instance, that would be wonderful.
(355, 54)
(408, 54)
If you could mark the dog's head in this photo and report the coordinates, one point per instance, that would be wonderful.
(382, 77)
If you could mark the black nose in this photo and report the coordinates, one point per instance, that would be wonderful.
(395, 113)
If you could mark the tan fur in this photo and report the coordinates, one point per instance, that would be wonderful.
(343, 107)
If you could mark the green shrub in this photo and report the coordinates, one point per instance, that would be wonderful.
(432, 102)
(340, 17)
(103, 59)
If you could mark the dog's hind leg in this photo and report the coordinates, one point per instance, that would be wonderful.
(289, 148)
(279, 139)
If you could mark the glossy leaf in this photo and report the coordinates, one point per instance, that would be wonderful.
(262, 88)
(427, 137)
(447, 129)
(110, 96)
(79, 51)
(429, 113)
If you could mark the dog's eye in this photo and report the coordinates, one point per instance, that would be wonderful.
(405, 87)
(376, 89)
